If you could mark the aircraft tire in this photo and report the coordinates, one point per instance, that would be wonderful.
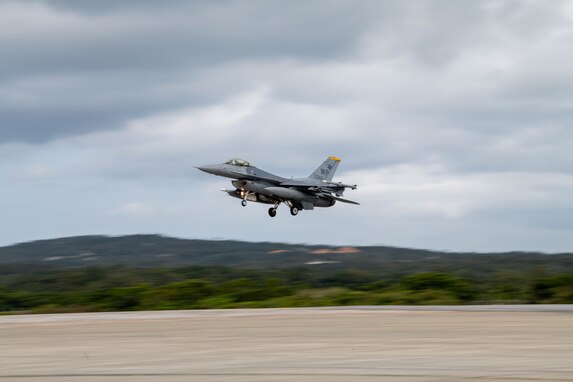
(294, 211)
(272, 212)
(244, 203)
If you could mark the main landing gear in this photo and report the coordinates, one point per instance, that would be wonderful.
(273, 210)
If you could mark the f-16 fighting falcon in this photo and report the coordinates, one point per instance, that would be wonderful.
(255, 185)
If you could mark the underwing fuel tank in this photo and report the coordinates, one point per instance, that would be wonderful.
(289, 193)
(292, 194)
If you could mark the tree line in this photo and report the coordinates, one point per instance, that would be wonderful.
(120, 288)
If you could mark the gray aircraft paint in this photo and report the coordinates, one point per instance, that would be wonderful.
(255, 185)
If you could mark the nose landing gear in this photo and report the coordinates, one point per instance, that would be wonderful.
(245, 195)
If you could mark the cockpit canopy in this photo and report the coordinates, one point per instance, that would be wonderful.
(238, 162)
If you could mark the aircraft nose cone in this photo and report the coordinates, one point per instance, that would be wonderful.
(209, 169)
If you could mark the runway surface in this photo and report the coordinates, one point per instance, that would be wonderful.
(403, 344)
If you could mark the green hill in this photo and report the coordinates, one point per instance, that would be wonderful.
(143, 251)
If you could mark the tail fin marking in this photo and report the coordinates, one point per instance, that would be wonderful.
(326, 170)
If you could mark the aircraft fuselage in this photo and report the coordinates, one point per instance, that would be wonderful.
(255, 185)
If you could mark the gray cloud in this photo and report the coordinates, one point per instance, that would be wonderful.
(454, 118)
(89, 55)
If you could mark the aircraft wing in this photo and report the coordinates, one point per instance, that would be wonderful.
(296, 183)
(314, 184)
(325, 189)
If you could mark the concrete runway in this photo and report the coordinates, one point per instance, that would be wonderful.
(403, 344)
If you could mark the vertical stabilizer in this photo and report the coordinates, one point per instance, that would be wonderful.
(326, 170)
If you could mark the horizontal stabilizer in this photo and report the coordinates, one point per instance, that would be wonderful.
(344, 200)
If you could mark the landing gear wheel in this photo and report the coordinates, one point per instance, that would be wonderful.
(294, 211)
(244, 203)
(272, 212)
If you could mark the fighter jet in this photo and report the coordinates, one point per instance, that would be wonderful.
(255, 185)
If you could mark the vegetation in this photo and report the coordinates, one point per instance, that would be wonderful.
(99, 273)
(121, 288)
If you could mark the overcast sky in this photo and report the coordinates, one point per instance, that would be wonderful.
(455, 118)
